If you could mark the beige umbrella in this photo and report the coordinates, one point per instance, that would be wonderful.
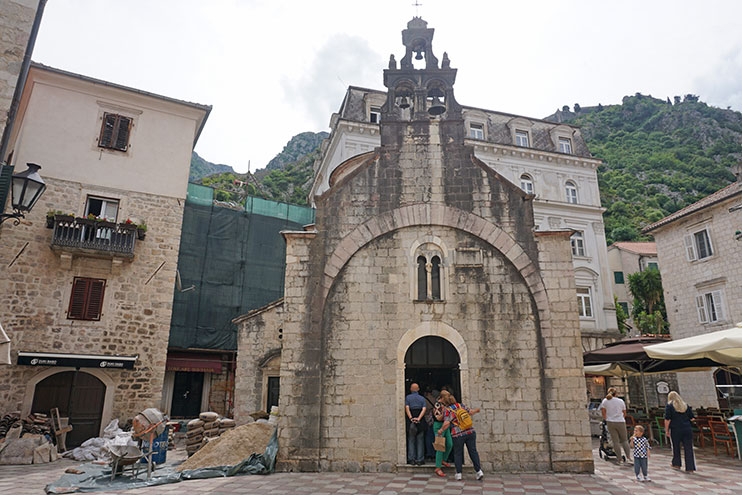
(610, 369)
(724, 347)
(4, 347)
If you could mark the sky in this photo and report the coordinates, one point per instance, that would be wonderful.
(272, 69)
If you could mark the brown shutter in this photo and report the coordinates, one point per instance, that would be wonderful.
(106, 131)
(86, 300)
(122, 134)
(95, 299)
(78, 299)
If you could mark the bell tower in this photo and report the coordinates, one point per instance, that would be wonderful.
(418, 95)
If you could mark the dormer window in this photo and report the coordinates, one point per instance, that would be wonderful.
(526, 183)
(476, 130)
(374, 115)
(521, 138)
(565, 146)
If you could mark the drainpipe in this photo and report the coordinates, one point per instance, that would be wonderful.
(21, 81)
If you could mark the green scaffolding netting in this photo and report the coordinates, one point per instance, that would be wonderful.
(234, 259)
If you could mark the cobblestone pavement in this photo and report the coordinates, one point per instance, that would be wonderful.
(716, 475)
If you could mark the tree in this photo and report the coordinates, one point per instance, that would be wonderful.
(649, 304)
(577, 108)
(621, 316)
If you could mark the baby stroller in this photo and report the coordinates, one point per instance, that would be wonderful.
(605, 450)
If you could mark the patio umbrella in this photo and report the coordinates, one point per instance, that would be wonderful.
(630, 355)
(724, 346)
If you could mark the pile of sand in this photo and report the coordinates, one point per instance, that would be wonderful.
(232, 447)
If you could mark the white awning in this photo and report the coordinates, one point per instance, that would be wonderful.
(724, 346)
(4, 347)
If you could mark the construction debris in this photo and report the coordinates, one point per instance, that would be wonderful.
(234, 446)
(34, 424)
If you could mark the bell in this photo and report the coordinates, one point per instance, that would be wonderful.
(436, 108)
(419, 55)
(403, 103)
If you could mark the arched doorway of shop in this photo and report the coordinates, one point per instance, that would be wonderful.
(433, 363)
(78, 396)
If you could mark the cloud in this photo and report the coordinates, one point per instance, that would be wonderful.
(342, 61)
(720, 86)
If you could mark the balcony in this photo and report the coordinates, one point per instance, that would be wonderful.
(93, 238)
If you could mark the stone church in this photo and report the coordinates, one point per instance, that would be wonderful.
(423, 265)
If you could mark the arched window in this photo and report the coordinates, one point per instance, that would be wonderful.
(428, 273)
(422, 278)
(435, 278)
(571, 191)
(526, 183)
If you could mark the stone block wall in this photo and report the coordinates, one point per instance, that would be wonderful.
(16, 21)
(683, 280)
(35, 293)
(259, 338)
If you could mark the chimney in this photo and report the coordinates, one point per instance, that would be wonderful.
(737, 171)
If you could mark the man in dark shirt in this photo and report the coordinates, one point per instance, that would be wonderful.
(414, 406)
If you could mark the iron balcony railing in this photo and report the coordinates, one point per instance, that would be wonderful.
(101, 236)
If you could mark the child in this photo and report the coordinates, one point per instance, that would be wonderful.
(641, 452)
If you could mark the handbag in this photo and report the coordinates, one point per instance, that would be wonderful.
(439, 444)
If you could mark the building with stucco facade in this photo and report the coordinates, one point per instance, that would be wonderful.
(85, 299)
(700, 255)
(424, 265)
(624, 259)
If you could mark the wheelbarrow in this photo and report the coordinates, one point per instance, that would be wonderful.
(123, 456)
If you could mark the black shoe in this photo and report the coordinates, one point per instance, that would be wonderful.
(411, 463)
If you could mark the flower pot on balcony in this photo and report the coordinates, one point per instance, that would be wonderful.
(85, 221)
(105, 224)
(50, 222)
(64, 218)
(141, 234)
(127, 226)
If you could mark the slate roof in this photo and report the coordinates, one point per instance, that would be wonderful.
(731, 190)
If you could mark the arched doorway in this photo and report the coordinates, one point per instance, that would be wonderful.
(79, 396)
(433, 362)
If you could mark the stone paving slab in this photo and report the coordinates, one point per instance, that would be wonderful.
(716, 475)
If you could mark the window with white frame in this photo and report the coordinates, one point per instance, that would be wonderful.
(570, 190)
(526, 183)
(476, 130)
(521, 138)
(565, 145)
(104, 208)
(710, 306)
(578, 244)
(584, 302)
(374, 115)
(698, 245)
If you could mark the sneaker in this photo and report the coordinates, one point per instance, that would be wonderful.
(480, 474)
(639, 478)
(457, 477)
(646, 478)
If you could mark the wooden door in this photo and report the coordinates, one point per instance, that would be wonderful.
(79, 396)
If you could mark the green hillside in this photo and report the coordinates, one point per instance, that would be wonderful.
(299, 146)
(201, 168)
(660, 156)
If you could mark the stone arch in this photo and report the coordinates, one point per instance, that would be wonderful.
(106, 414)
(426, 329)
(446, 216)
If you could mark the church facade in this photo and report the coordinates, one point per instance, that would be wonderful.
(425, 266)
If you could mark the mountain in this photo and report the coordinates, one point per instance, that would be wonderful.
(659, 156)
(201, 168)
(297, 147)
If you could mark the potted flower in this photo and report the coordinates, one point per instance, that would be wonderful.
(59, 216)
(50, 218)
(129, 224)
(88, 220)
(141, 231)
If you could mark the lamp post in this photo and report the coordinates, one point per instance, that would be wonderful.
(26, 189)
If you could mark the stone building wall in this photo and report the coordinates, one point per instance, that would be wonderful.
(683, 280)
(16, 21)
(35, 294)
(259, 341)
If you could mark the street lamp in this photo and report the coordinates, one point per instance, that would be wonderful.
(27, 188)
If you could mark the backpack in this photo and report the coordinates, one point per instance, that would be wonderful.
(463, 419)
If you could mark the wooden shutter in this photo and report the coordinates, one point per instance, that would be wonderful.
(86, 300)
(690, 248)
(701, 306)
(106, 131)
(6, 176)
(122, 133)
(94, 307)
